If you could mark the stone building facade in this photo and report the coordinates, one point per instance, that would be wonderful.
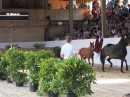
(37, 27)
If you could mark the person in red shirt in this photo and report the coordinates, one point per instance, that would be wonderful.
(95, 15)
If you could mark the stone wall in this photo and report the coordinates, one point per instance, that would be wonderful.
(24, 30)
(21, 34)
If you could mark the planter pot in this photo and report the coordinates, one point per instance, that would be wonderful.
(3, 78)
(33, 87)
(71, 95)
(51, 94)
(19, 84)
(8, 80)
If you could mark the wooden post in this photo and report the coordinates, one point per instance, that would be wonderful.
(103, 17)
(71, 17)
(46, 4)
(0, 4)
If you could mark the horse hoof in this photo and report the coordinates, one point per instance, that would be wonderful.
(122, 71)
(103, 70)
(92, 64)
(126, 69)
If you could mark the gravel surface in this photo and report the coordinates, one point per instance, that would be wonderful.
(112, 83)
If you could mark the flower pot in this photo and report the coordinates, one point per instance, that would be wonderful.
(71, 95)
(8, 80)
(2, 78)
(52, 94)
(19, 84)
(33, 87)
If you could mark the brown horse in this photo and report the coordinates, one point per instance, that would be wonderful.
(87, 53)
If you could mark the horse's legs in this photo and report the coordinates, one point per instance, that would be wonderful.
(126, 65)
(122, 59)
(103, 57)
(81, 57)
(92, 61)
(103, 67)
(122, 66)
(108, 59)
(89, 60)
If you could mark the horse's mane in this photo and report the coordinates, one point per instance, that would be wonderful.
(122, 42)
(109, 45)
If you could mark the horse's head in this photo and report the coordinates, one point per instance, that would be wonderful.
(127, 38)
(92, 45)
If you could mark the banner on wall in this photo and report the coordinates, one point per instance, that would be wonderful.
(14, 16)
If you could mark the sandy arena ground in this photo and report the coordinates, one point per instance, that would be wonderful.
(112, 83)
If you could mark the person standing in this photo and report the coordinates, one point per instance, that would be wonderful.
(112, 4)
(68, 50)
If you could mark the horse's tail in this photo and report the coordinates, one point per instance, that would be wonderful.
(101, 56)
(99, 53)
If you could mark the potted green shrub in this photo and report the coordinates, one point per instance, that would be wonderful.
(38, 46)
(32, 61)
(3, 66)
(9, 46)
(56, 51)
(15, 70)
(33, 70)
(74, 78)
(20, 79)
(47, 74)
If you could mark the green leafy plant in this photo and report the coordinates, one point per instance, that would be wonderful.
(32, 67)
(21, 77)
(9, 46)
(56, 51)
(16, 59)
(74, 76)
(32, 61)
(3, 65)
(47, 74)
(42, 54)
(38, 46)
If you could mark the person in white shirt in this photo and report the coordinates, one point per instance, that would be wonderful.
(67, 50)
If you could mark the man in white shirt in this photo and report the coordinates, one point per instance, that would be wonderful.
(67, 50)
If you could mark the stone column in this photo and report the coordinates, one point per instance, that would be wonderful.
(46, 34)
(71, 18)
(46, 4)
(103, 17)
(0, 4)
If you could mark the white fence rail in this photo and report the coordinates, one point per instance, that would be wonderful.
(77, 44)
(85, 43)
